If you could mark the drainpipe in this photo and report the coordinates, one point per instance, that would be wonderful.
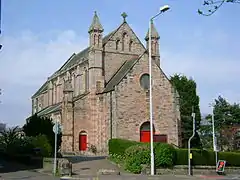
(111, 114)
(73, 126)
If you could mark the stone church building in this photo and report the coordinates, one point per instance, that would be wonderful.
(102, 92)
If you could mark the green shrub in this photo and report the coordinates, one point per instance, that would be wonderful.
(41, 141)
(118, 159)
(232, 158)
(136, 156)
(164, 155)
(207, 158)
(118, 146)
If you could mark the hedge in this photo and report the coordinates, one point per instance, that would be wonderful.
(207, 158)
(118, 148)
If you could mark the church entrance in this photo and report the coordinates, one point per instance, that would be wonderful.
(82, 141)
(145, 133)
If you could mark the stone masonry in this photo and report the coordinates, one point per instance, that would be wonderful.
(100, 92)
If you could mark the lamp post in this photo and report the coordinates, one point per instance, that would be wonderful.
(162, 10)
(214, 137)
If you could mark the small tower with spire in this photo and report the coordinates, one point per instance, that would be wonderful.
(155, 40)
(95, 32)
(96, 80)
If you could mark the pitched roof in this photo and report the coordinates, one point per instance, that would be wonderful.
(50, 109)
(121, 73)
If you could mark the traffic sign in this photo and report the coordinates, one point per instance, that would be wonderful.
(221, 166)
(57, 128)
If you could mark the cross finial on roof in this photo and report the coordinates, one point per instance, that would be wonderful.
(124, 15)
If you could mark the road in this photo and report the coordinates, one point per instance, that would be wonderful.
(16, 171)
(11, 171)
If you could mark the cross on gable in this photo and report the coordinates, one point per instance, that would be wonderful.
(124, 15)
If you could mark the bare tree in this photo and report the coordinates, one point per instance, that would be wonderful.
(213, 5)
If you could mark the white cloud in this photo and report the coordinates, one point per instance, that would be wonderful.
(26, 61)
(216, 71)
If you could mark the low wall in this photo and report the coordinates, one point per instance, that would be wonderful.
(197, 170)
(49, 162)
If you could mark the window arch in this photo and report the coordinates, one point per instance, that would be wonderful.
(124, 38)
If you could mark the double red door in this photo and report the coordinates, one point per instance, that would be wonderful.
(82, 142)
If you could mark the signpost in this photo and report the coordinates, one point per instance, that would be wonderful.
(56, 130)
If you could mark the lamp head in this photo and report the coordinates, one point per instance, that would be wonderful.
(164, 8)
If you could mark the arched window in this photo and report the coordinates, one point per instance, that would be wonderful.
(99, 39)
(117, 44)
(124, 39)
(155, 46)
(130, 45)
(144, 81)
(86, 80)
(95, 39)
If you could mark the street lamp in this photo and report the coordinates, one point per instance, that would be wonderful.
(214, 136)
(162, 10)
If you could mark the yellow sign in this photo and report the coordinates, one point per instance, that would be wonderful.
(190, 155)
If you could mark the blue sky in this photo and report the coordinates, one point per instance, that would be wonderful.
(40, 35)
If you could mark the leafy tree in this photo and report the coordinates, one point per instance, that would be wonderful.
(9, 139)
(36, 126)
(226, 118)
(205, 133)
(42, 142)
(213, 5)
(188, 99)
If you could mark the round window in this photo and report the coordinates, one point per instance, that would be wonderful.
(144, 81)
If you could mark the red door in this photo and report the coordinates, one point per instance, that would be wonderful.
(145, 136)
(82, 142)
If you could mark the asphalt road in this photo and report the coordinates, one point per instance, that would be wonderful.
(16, 171)
(11, 171)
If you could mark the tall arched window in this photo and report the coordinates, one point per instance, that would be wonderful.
(86, 80)
(155, 46)
(124, 39)
(130, 45)
(99, 39)
(95, 39)
(117, 44)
